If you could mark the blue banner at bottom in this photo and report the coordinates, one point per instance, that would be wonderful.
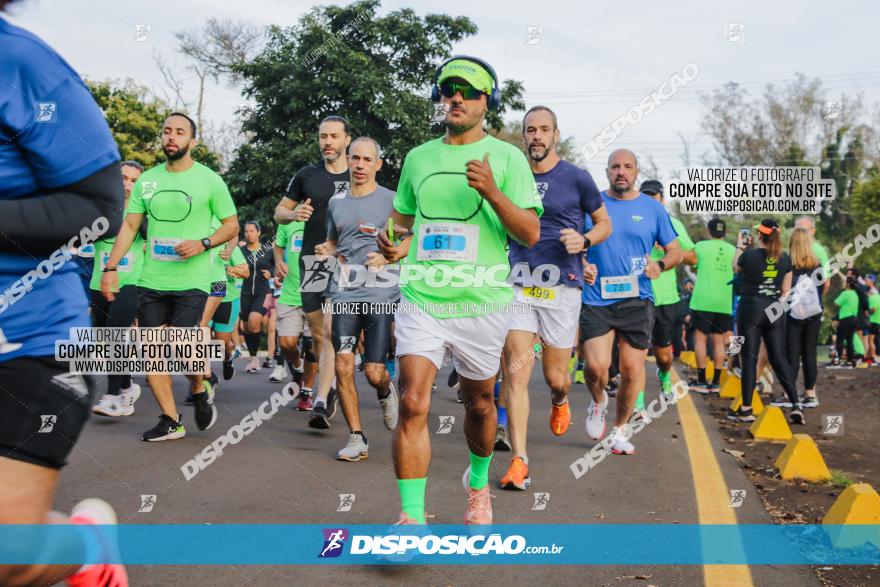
(623, 544)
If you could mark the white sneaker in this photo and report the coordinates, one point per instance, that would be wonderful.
(253, 365)
(355, 450)
(596, 418)
(621, 446)
(389, 408)
(279, 373)
(108, 405)
(128, 398)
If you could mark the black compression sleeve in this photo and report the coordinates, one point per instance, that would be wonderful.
(38, 226)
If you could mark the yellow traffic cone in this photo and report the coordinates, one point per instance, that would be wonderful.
(730, 386)
(801, 459)
(770, 425)
(757, 404)
(854, 518)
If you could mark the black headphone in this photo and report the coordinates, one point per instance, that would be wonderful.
(494, 97)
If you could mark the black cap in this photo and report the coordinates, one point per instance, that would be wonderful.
(651, 187)
(717, 227)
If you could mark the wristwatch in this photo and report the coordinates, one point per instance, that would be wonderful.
(206, 242)
(108, 269)
(587, 244)
(662, 265)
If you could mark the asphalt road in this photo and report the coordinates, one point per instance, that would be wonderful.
(285, 473)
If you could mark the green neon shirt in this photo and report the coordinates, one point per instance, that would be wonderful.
(713, 291)
(666, 286)
(290, 238)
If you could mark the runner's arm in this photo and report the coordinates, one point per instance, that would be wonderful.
(240, 271)
(280, 264)
(284, 211)
(127, 233)
(669, 260)
(689, 258)
(601, 226)
(38, 226)
(228, 230)
(786, 283)
(402, 225)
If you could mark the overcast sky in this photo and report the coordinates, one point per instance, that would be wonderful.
(593, 61)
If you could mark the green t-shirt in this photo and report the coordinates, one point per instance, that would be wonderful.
(129, 268)
(456, 232)
(179, 206)
(232, 291)
(874, 303)
(848, 301)
(713, 291)
(666, 286)
(290, 238)
(821, 253)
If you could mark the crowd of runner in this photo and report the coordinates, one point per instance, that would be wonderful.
(353, 276)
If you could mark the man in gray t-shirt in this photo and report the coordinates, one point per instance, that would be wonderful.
(353, 222)
(359, 307)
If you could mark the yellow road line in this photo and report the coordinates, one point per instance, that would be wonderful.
(713, 496)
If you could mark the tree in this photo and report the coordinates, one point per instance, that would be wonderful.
(135, 118)
(865, 206)
(374, 70)
(213, 53)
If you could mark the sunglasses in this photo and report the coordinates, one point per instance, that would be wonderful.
(468, 92)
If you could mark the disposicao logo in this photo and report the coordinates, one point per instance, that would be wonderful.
(334, 542)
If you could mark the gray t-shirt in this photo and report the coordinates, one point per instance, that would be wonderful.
(354, 222)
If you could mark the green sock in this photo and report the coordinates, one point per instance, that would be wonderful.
(412, 497)
(663, 377)
(479, 471)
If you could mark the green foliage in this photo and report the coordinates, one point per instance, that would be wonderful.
(840, 479)
(350, 61)
(135, 119)
(865, 206)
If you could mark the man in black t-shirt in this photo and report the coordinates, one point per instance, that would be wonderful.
(308, 195)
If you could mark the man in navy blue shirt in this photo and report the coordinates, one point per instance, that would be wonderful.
(618, 297)
(59, 175)
(548, 313)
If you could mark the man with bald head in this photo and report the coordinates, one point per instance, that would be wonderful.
(361, 306)
(618, 298)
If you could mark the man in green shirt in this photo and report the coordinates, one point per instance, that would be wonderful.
(712, 303)
(873, 317)
(181, 197)
(848, 303)
(291, 317)
(460, 197)
(666, 298)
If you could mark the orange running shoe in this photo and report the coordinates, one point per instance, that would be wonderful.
(517, 476)
(560, 418)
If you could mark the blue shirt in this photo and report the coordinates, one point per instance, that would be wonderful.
(568, 193)
(52, 134)
(635, 226)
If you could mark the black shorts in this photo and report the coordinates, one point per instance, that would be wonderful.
(631, 319)
(314, 280)
(665, 319)
(712, 322)
(223, 313)
(250, 304)
(874, 330)
(182, 309)
(374, 320)
(43, 409)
